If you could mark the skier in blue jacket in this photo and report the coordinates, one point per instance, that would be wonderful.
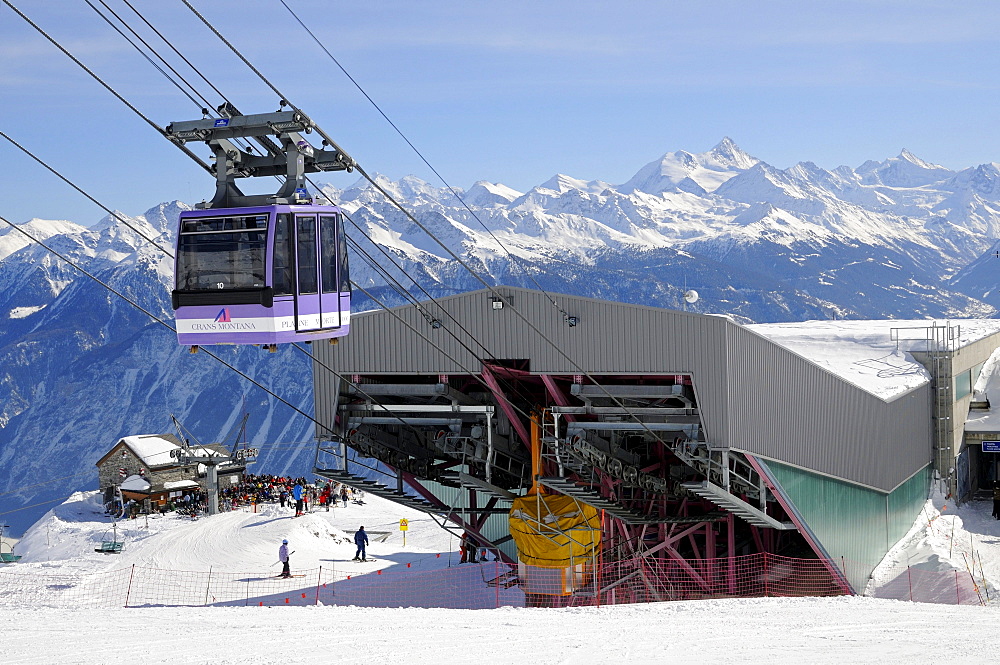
(361, 540)
(297, 495)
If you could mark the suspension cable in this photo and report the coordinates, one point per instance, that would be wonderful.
(152, 316)
(583, 371)
(365, 175)
(66, 180)
(143, 53)
(419, 154)
(97, 78)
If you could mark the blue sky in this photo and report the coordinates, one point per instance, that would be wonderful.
(510, 92)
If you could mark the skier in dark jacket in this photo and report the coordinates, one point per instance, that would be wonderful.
(361, 540)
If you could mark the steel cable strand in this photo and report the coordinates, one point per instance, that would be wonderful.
(156, 319)
(97, 78)
(419, 154)
(413, 219)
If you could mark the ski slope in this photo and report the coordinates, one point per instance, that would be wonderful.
(238, 541)
(801, 630)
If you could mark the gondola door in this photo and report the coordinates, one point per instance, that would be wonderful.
(331, 272)
(308, 315)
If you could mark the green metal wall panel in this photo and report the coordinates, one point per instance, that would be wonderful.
(852, 522)
(906, 502)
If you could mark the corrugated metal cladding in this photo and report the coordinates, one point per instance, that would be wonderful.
(754, 395)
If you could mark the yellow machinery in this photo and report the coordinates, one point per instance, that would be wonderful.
(558, 538)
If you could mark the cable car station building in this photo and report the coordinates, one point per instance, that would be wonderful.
(690, 437)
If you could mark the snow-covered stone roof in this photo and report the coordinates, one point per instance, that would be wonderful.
(152, 449)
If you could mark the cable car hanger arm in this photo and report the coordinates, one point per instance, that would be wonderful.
(293, 159)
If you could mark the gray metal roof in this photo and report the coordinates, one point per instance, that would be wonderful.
(753, 394)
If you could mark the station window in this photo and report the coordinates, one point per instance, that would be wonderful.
(963, 384)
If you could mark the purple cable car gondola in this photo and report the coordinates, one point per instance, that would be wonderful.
(261, 275)
(261, 269)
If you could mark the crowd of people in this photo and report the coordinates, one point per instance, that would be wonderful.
(252, 490)
(296, 493)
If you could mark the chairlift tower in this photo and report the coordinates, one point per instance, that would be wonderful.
(212, 463)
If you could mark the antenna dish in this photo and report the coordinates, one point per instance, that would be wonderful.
(691, 297)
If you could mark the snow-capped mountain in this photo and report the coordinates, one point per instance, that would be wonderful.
(79, 367)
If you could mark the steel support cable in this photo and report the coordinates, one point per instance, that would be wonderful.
(508, 303)
(97, 78)
(333, 143)
(420, 308)
(144, 54)
(203, 105)
(360, 170)
(389, 279)
(175, 50)
(416, 303)
(382, 271)
(419, 154)
(263, 78)
(100, 205)
(422, 227)
(186, 150)
(47, 482)
(329, 140)
(151, 315)
(154, 317)
(467, 370)
(422, 290)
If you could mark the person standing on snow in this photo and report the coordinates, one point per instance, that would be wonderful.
(283, 558)
(361, 540)
(343, 495)
(297, 495)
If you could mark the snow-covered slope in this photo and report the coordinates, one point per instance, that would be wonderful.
(242, 540)
(826, 631)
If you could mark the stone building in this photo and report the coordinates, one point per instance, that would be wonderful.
(154, 458)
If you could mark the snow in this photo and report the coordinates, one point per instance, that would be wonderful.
(864, 353)
(135, 484)
(179, 484)
(152, 449)
(234, 541)
(987, 384)
(824, 631)
(22, 312)
(945, 538)
(819, 631)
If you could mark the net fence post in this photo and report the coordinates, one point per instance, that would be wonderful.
(128, 593)
(767, 582)
(319, 580)
(909, 582)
